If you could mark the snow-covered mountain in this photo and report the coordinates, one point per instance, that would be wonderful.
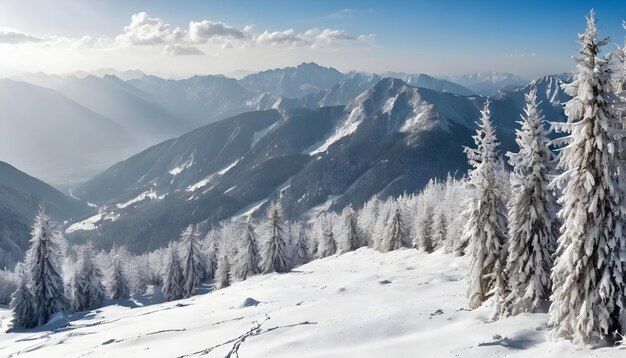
(348, 89)
(489, 83)
(204, 99)
(55, 138)
(150, 109)
(102, 72)
(293, 82)
(381, 143)
(137, 111)
(550, 95)
(20, 198)
(363, 303)
(426, 81)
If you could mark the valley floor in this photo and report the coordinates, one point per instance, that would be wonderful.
(360, 304)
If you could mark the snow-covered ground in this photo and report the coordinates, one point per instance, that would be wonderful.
(359, 304)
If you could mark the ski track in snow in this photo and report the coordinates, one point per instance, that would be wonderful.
(359, 304)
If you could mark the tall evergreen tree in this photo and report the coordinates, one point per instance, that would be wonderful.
(22, 303)
(441, 228)
(427, 231)
(173, 279)
(43, 267)
(328, 245)
(194, 268)
(395, 233)
(351, 237)
(275, 251)
(588, 276)
(87, 290)
(249, 257)
(118, 281)
(532, 221)
(485, 212)
(301, 250)
(222, 276)
(212, 257)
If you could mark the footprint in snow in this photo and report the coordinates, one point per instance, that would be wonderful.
(438, 312)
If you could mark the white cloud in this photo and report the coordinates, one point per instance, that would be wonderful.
(182, 50)
(202, 32)
(14, 37)
(314, 37)
(287, 37)
(146, 30)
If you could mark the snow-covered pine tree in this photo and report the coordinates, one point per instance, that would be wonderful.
(87, 290)
(485, 212)
(440, 229)
(588, 276)
(367, 219)
(426, 229)
(222, 276)
(249, 259)
(301, 249)
(328, 244)
(380, 229)
(22, 303)
(394, 232)
(275, 252)
(212, 257)
(118, 282)
(173, 276)
(43, 267)
(350, 235)
(532, 222)
(316, 233)
(194, 267)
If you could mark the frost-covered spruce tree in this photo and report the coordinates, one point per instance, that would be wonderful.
(367, 219)
(194, 267)
(301, 249)
(532, 221)
(588, 278)
(328, 244)
(173, 276)
(275, 251)
(249, 259)
(118, 281)
(87, 290)
(440, 229)
(350, 235)
(395, 233)
(485, 214)
(212, 257)
(22, 303)
(43, 267)
(426, 229)
(222, 276)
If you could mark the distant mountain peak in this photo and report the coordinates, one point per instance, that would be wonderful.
(310, 65)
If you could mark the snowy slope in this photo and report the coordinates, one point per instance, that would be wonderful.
(360, 304)
(20, 198)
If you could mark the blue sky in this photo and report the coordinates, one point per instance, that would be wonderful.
(530, 38)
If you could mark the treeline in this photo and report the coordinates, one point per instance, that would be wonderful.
(54, 278)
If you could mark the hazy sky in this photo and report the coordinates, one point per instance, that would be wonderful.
(181, 38)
